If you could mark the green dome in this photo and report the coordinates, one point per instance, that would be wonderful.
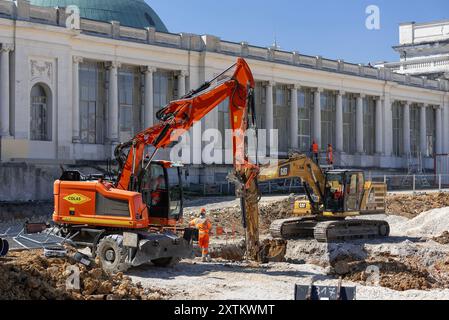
(130, 13)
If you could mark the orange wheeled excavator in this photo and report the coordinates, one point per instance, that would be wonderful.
(135, 219)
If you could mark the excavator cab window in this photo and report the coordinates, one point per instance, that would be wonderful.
(162, 191)
(355, 182)
(175, 194)
(154, 188)
(334, 193)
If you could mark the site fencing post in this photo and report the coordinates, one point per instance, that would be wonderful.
(414, 183)
(385, 179)
(439, 182)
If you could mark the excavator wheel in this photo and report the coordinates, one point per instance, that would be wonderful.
(112, 254)
(166, 262)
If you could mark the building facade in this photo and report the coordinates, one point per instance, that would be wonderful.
(71, 94)
(423, 50)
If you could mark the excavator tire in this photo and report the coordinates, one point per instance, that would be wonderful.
(112, 254)
(166, 262)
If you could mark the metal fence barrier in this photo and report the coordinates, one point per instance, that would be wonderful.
(414, 183)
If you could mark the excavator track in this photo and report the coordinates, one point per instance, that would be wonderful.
(293, 228)
(329, 231)
(345, 230)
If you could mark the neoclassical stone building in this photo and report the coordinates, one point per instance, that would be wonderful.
(71, 92)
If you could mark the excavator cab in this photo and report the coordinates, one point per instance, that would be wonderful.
(161, 187)
(344, 191)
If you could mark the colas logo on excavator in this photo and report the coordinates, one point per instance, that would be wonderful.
(77, 198)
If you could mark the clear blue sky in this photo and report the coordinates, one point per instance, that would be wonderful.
(331, 28)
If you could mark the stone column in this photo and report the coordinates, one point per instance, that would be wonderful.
(113, 107)
(359, 124)
(269, 111)
(182, 83)
(76, 99)
(445, 125)
(294, 119)
(423, 130)
(339, 122)
(388, 125)
(317, 116)
(439, 131)
(4, 89)
(406, 129)
(379, 127)
(149, 97)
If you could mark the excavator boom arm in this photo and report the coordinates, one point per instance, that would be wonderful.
(180, 115)
(298, 166)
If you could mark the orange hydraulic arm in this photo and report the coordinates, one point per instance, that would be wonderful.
(180, 115)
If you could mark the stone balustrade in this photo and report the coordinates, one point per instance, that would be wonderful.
(56, 16)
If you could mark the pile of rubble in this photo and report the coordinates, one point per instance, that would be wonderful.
(410, 206)
(403, 275)
(28, 275)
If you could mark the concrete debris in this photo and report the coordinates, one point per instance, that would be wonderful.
(29, 275)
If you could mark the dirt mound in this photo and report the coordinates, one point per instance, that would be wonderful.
(443, 239)
(410, 205)
(230, 252)
(29, 275)
(396, 275)
(428, 224)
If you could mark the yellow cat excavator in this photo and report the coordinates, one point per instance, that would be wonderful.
(332, 198)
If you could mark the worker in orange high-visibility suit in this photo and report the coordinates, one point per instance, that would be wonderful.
(315, 152)
(203, 224)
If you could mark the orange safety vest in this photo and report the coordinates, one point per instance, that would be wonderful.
(203, 225)
(315, 148)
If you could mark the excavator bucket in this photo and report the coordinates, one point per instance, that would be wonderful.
(155, 246)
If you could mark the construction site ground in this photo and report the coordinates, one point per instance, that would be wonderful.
(413, 263)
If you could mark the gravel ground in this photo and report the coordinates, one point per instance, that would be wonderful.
(308, 260)
(193, 280)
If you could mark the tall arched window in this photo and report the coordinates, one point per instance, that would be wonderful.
(40, 125)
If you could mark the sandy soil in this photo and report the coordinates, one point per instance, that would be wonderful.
(309, 260)
(415, 257)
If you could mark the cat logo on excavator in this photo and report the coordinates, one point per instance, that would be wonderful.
(77, 198)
